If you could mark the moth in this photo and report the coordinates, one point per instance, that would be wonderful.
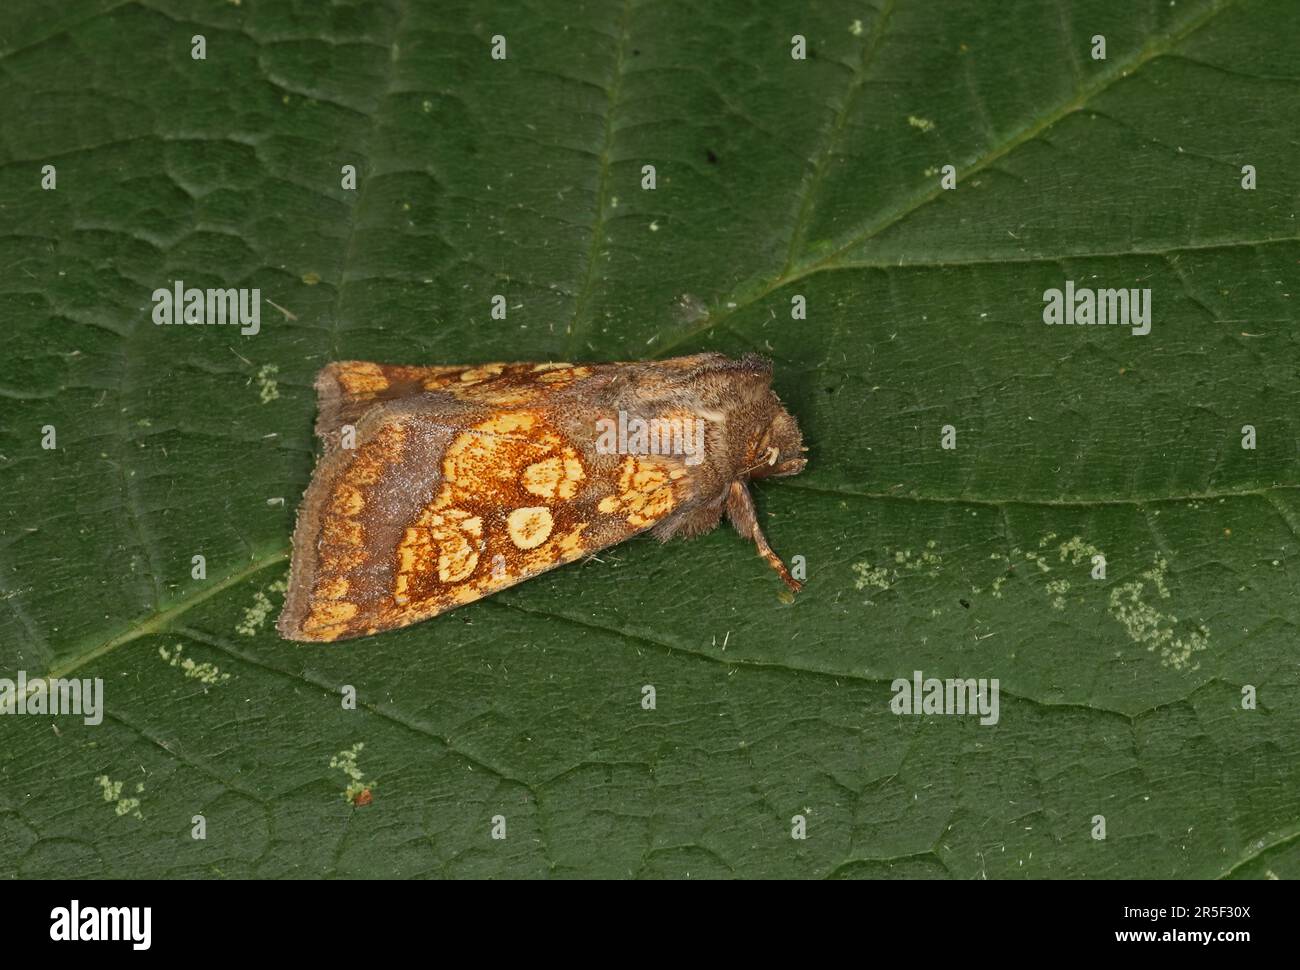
(438, 486)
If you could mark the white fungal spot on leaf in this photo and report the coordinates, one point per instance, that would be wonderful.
(205, 673)
(346, 762)
(267, 387)
(112, 792)
(1148, 626)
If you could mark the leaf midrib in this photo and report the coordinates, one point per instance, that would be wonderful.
(1119, 70)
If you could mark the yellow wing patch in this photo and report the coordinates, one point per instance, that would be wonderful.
(647, 490)
(486, 528)
(359, 384)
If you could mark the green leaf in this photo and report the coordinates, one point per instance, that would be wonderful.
(1119, 696)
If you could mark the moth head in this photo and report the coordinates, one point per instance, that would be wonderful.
(778, 448)
(749, 433)
(742, 390)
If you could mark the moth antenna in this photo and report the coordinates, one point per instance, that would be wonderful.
(741, 512)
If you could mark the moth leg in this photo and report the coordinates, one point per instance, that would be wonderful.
(740, 510)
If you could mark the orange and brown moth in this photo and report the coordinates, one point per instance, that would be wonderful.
(441, 485)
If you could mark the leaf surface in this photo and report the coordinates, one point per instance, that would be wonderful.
(1119, 696)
